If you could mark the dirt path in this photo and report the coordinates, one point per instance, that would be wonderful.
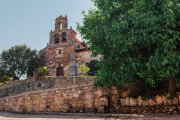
(14, 116)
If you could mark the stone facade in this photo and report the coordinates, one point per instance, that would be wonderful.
(64, 52)
(77, 94)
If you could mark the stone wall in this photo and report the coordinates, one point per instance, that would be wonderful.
(73, 94)
(76, 94)
(18, 87)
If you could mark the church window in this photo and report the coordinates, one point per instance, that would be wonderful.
(61, 26)
(56, 38)
(64, 37)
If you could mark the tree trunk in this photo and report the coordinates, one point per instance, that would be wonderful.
(171, 86)
(15, 78)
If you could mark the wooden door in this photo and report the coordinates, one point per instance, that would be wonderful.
(60, 71)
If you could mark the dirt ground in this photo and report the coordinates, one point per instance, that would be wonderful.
(15, 116)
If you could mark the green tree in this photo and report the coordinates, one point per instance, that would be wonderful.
(16, 60)
(33, 65)
(93, 65)
(138, 40)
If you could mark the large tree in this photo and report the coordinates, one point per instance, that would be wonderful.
(138, 40)
(17, 60)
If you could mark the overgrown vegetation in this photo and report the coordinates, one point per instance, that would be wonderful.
(139, 40)
(17, 61)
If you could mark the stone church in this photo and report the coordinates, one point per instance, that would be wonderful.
(64, 52)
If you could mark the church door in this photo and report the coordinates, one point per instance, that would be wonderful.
(60, 71)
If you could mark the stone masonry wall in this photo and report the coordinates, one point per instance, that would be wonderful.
(18, 87)
(73, 94)
(76, 94)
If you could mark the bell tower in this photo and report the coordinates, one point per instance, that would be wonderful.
(61, 23)
(59, 37)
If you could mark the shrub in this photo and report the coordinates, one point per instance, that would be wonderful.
(42, 71)
(83, 69)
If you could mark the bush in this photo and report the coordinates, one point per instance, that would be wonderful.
(42, 71)
(83, 69)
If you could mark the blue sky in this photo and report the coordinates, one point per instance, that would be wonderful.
(30, 21)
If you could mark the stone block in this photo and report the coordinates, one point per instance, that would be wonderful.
(103, 101)
(122, 100)
(169, 102)
(140, 101)
(151, 102)
(175, 101)
(179, 97)
(125, 94)
(164, 100)
(133, 102)
(159, 100)
(146, 102)
(102, 109)
(114, 90)
(127, 101)
(75, 95)
(114, 99)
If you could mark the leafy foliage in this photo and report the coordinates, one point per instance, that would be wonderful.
(4, 76)
(138, 39)
(42, 71)
(83, 69)
(93, 65)
(15, 61)
(33, 64)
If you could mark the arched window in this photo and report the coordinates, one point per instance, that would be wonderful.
(61, 26)
(64, 37)
(56, 38)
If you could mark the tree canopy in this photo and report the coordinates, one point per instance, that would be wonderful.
(138, 39)
(17, 60)
(93, 65)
